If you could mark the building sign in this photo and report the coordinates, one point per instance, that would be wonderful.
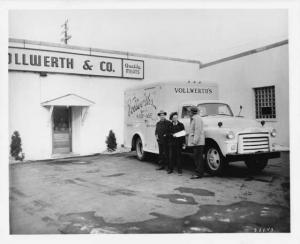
(22, 59)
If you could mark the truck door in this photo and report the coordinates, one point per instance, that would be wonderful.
(184, 117)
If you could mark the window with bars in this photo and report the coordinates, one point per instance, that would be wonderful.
(265, 102)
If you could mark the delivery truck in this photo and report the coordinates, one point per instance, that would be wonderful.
(228, 138)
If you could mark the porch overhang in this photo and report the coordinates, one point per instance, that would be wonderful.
(69, 100)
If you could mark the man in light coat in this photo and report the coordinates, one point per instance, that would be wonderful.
(196, 140)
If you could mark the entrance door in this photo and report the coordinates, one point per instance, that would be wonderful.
(62, 130)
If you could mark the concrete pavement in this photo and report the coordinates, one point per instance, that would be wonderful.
(119, 194)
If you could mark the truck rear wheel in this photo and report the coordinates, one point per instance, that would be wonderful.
(140, 153)
(256, 165)
(215, 162)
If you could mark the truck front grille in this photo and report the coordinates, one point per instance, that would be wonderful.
(253, 142)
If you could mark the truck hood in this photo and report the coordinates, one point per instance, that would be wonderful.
(234, 123)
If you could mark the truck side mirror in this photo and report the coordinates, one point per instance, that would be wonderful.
(241, 108)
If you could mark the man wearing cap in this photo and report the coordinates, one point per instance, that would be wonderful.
(196, 140)
(162, 133)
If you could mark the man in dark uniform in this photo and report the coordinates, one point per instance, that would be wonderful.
(175, 144)
(162, 133)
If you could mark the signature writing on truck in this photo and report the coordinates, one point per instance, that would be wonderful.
(141, 107)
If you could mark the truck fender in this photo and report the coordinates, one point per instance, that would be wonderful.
(220, 140)
(133, 140)
(212, 141)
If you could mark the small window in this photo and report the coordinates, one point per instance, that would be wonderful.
(265, 102)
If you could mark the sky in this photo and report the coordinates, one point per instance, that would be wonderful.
(202, 34)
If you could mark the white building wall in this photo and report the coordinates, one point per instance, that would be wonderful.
(27, 116)
(238, 77)
(28, 90)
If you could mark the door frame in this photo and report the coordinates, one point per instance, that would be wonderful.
(70, 128)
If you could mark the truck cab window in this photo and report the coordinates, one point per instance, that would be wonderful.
(185, 112)
(202, 110)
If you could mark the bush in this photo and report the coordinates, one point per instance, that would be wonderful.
(111, 141)
(16, 147)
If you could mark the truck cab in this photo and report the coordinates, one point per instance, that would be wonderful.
(230, 138)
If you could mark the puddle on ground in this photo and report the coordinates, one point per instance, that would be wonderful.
(48, 220)
(242, 216)
(62, 162)
(114, 175)
(195, 191)
(80, 179)
(93, 171)
(59, 168)
(178, 198)
(70, 181)
(262, 178)
(117, 192)
(40, 205)
(15, 191)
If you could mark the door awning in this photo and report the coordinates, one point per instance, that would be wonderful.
(68, 100)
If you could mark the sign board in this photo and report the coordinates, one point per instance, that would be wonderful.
(24, 59)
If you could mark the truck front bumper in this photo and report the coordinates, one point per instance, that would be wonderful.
(259, 155)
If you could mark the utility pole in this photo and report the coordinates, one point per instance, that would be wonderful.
(66, 36)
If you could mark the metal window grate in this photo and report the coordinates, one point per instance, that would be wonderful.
(265, 102)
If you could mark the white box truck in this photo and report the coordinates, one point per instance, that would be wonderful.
(228, 138)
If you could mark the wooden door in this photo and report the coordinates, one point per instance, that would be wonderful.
(62, 130)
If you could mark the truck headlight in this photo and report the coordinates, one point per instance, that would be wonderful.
(233, 147)
(273, 133)
(230, 135)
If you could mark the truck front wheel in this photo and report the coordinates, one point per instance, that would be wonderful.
(140, 153)
(256, 165)
(214, 160)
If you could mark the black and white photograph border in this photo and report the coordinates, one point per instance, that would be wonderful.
(89, 140)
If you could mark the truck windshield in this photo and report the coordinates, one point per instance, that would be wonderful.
(209, 109)
(212, 109)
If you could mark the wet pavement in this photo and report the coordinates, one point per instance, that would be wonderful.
(119, 194)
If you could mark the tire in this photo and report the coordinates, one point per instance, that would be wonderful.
(215, 162)
(256, 165)
(140, 153)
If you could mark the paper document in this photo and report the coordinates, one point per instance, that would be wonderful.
(180, 133)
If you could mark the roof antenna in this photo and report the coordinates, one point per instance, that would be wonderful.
(66, 37)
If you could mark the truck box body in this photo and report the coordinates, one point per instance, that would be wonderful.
(143, 103)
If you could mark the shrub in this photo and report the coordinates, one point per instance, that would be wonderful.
(111, 141)
(16, 146)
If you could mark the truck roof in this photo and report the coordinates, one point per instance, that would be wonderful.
(196, 102)
(163, 83)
